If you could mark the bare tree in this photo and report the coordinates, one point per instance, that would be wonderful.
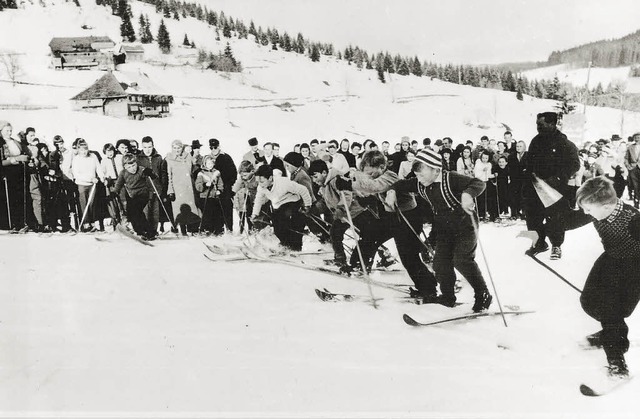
(12, 66)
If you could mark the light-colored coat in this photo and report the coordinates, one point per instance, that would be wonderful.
(179, 181)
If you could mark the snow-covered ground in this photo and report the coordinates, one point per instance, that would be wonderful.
(92, 327)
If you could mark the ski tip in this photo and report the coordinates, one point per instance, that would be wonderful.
(588, 391)
(408, 320)
(322, 295)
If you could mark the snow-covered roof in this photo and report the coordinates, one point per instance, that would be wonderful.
(120, 84)
(82, 43)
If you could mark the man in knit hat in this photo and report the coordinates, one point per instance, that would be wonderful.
(451, 196)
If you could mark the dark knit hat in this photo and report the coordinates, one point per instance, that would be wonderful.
(195, 144)
(253, 141)
(429, 158)
(294, 159)
(214, 143)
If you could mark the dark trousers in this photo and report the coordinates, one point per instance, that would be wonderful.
(456, 249)
(373, 231)
(136, 214)
(84, 193)
(409, 247)
(212, 216)
(17, 191)
(152, 214)
(610, 295)
(515, 198)
(288, 225)
(487, 202)
(502, 196)
(539, 219)
(336, 233)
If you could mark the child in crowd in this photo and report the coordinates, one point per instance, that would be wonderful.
(245, 188)
(209, 185)
(110, 170)
(487, 199)
(501, 182)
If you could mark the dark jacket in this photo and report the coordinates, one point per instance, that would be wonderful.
(517, 167)
(448, 213)
(277, 163)
(553, 158)
(158, 165)
(228, 173)
(135, 184)
(301, 177)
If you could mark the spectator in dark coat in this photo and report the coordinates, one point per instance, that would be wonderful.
(228, 173)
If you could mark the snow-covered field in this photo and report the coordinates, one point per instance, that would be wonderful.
(101, 328)
(579, 76)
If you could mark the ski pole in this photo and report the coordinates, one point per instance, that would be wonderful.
(555, 273)
(484, 256)
(89, 202)
(412, 229)
(25, 189)
(6, 192)
(161, 204)
(364, 267)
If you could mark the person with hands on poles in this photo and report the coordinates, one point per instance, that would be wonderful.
(452, 198)
(133, 179)
(290, 201)
(14, 158)
(209, 187)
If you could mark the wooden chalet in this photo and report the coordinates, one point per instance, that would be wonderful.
(82, 52)
(123, 94)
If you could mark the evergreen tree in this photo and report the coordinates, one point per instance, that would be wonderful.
(146, 37)
(553, 89)
(519, 94)
(286, 42)
(226, 30)
(380, 71)
(403, 69)
(252, 29)
(301, 44)
(185, 41)
(164, 41)
(416, 67)
(229, 54)
(315, 53)
(387, 65)
(509, 83)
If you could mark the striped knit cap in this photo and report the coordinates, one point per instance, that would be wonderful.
(430, 158)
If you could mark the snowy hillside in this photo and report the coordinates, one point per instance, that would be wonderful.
(98, 328)
(578, 76)
(280, 96)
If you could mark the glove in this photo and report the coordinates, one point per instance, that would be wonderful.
(305, 210)
(149, 173)
(343, 184)
(171, 197)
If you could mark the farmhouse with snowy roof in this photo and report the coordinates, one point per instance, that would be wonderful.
(82, 52)
(123, 94)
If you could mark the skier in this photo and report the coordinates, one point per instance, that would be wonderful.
(376, 181)
(612, 289)
(245, 189)
(134, 179)
(210, 187)
(290, 202)
(14, 159)
(451, 196)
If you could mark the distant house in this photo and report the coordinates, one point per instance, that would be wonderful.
(127, 53)
(123, 94)
(82, 52)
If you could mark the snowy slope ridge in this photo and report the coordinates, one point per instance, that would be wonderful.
(280, 96)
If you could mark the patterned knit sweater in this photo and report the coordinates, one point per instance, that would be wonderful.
(619, 232)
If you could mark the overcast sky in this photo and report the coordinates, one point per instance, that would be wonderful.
(461, 31)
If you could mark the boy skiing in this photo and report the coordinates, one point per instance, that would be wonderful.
(612, 289)
(290, 202)
(139, 195)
